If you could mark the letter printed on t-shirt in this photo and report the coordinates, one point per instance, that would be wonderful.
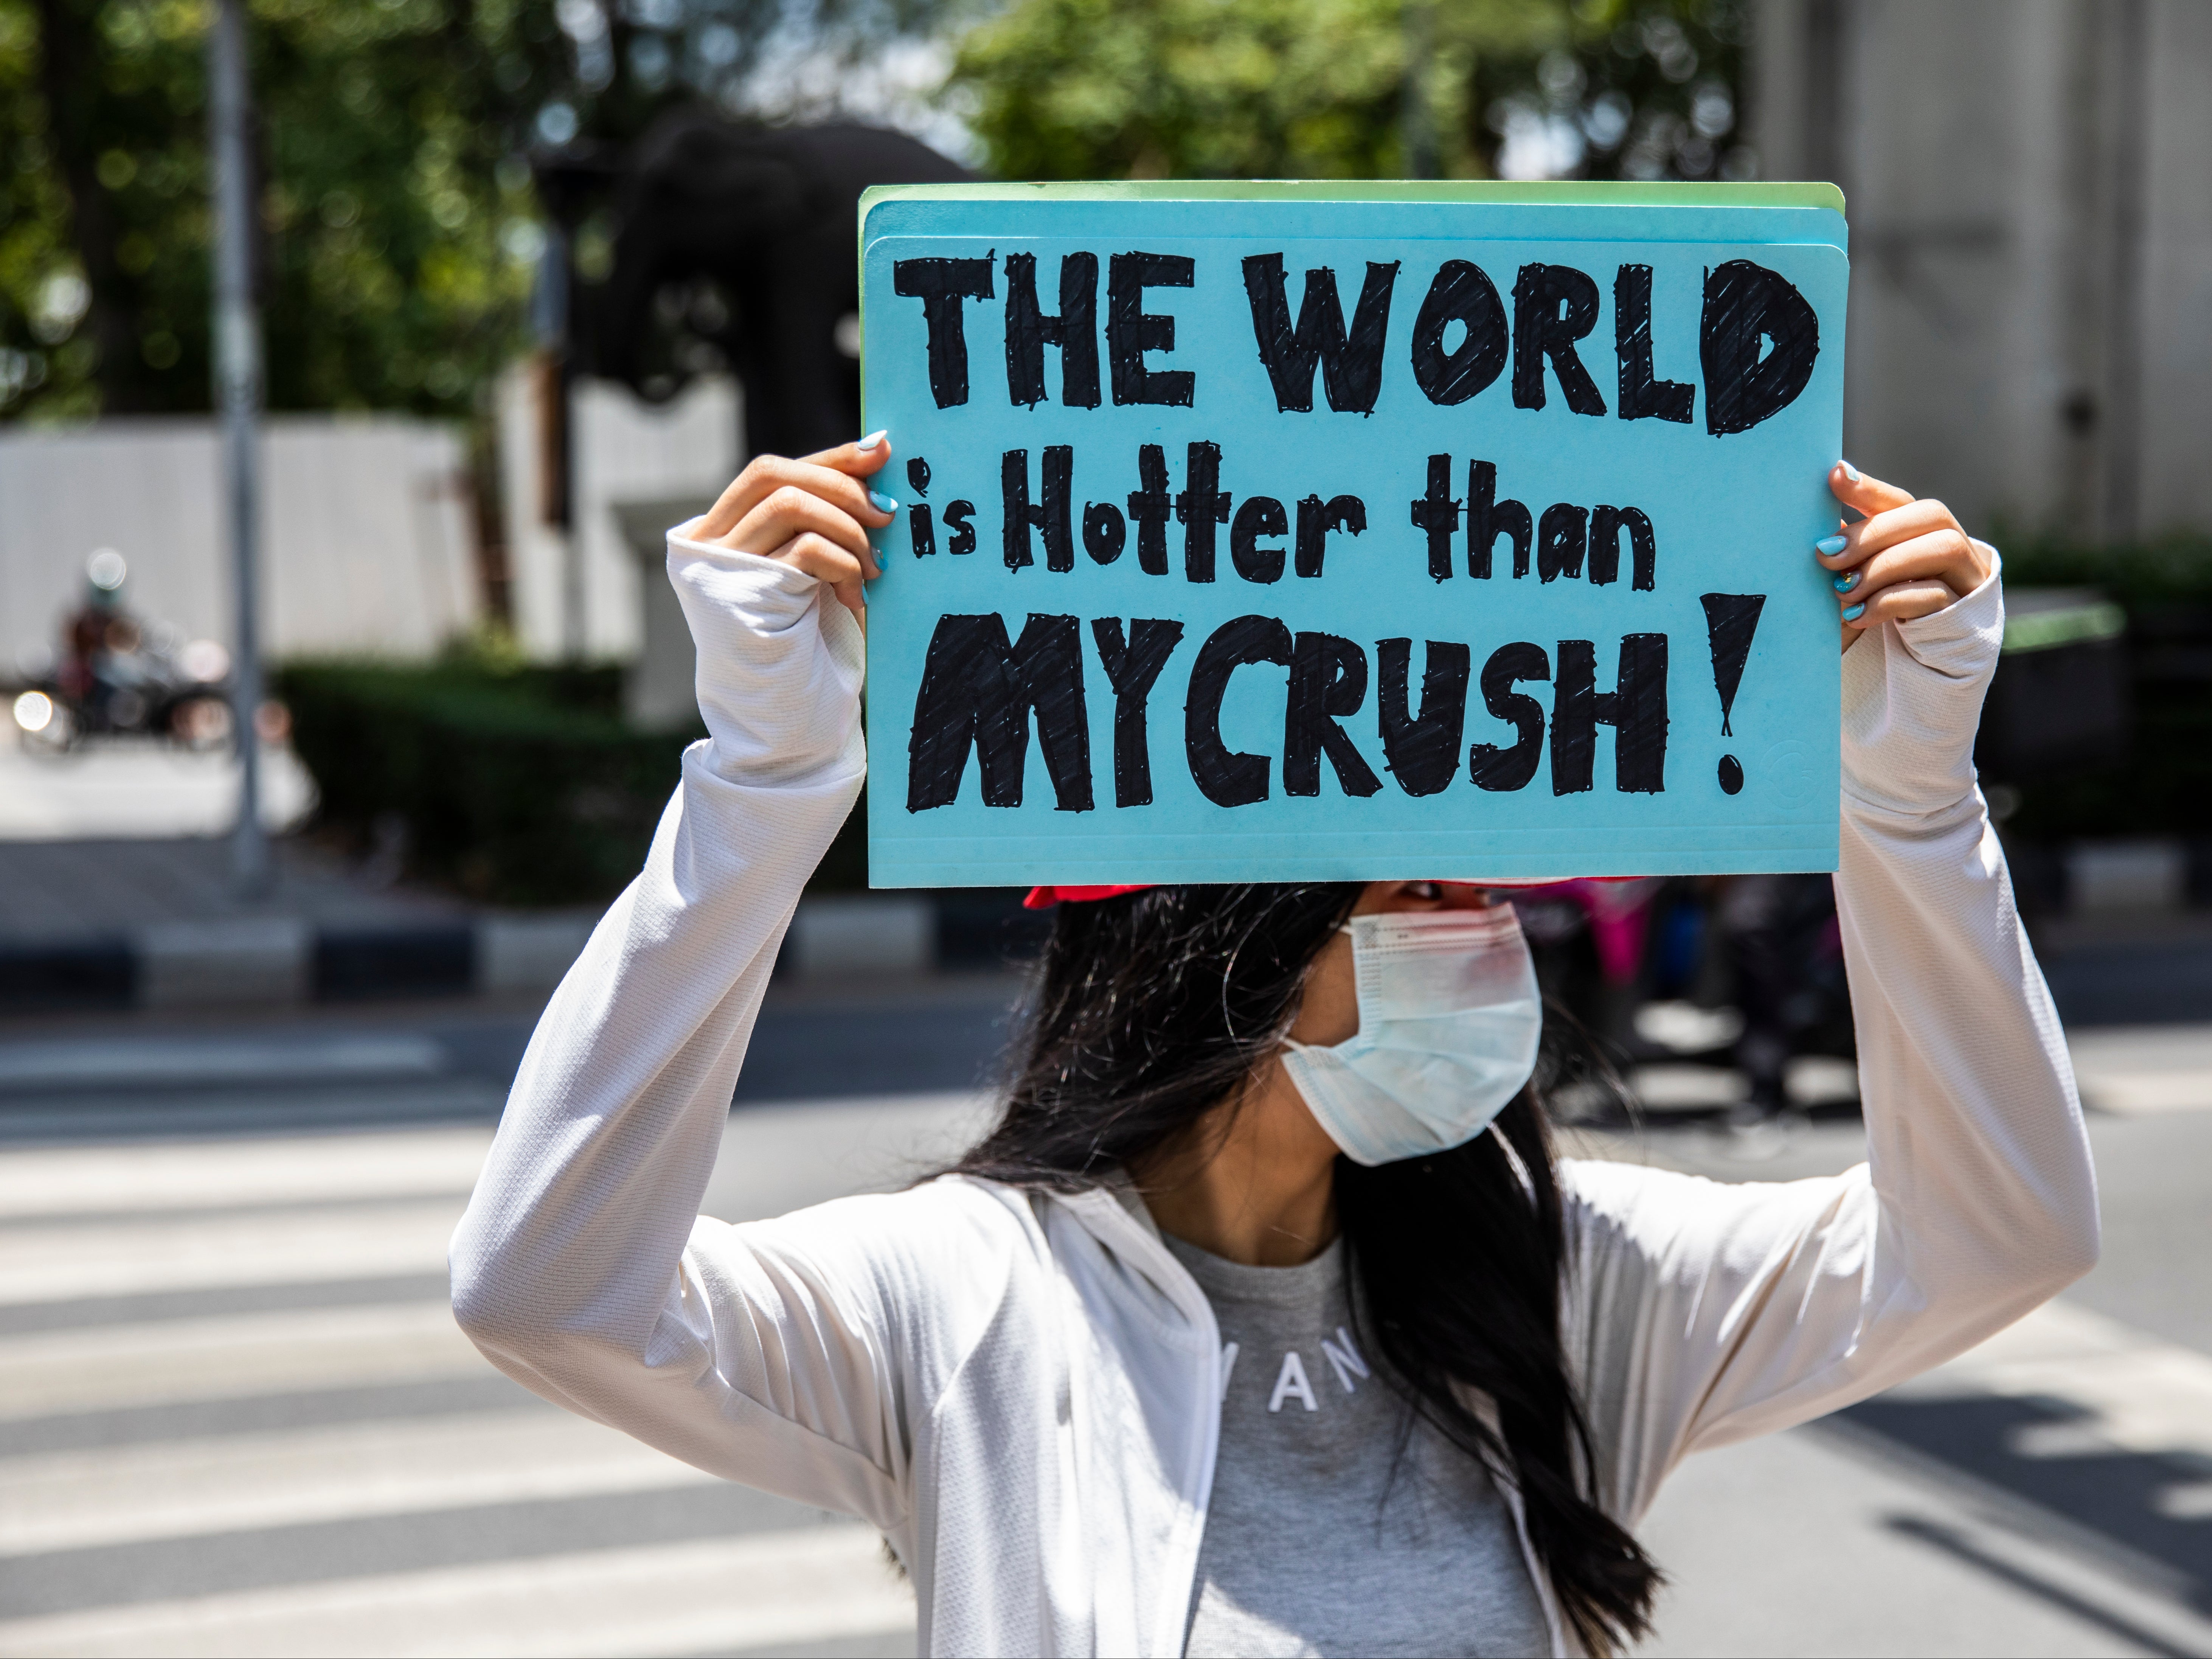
(1345, 1361)
(1291, 1380)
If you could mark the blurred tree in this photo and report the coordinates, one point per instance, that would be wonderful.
(1640, 89)
(395, 248)
(399, 226)
(1319, 88)
(1225, 89)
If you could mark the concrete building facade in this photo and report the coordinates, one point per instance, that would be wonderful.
(2029, 185)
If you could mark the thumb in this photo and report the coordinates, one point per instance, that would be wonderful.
(853, 459)
(1862, 494)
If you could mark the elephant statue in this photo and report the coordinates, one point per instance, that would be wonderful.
(742, 238)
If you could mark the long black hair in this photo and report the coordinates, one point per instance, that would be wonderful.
(1150, 1010)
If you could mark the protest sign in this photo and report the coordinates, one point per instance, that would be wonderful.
(1301, 533)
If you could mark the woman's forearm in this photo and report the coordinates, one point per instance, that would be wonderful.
(568, 1250)
(1705, 1313)
(1975, 1139)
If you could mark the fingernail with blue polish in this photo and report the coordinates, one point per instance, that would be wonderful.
(1854, 613)
(1832, 545)
(1847, 581)
(875, 438)
(1850, 471)
(884, 503)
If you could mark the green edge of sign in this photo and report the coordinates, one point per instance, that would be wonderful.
(1545, 193)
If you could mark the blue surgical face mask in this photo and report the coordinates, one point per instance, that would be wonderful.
(1448, 1018)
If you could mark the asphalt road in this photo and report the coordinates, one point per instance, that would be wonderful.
(235, 1416)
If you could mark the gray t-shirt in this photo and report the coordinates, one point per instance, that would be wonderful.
(1319, 1538)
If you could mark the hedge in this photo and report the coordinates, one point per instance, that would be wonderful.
(516, 785)
(522, 785)
(2161, 785)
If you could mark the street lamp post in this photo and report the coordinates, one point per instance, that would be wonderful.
(238, 405)
(1417, 123)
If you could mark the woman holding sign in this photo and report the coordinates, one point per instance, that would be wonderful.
(1266, 1320)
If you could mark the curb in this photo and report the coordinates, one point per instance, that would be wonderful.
(288, 961)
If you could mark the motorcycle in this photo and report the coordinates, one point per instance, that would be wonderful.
(118, 677)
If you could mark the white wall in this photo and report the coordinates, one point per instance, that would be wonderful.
(623, 449)
(368, 542)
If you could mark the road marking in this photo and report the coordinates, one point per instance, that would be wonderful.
(179, 1489)
(211, 1174)
(59, 1261)
(2127, 1069)
(112, 1367)
(1673, 1085)
(2146, 1092)
(2144, 1069)
(182, 1062)
(2144, 1395)
(757, 1590)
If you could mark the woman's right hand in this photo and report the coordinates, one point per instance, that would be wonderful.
(813, 514)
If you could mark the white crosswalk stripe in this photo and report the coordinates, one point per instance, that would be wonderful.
(2134, 1393)
(112, 1367)
(60, 1262)
(205, 1472)
(70, 1500)
(763, 1591)
(2133, 1069)
(167, 1431)
(58, 1180)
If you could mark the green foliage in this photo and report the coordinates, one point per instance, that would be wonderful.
(518, 785)
(2147, 577)
(2161, 784)
(399, 223)
(399, 227)
(1216, 88)
(394, 244)
(1319, 88)
(1642, 89)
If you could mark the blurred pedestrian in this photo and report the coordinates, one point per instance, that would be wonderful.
(1784, 953)
(1266, 1320)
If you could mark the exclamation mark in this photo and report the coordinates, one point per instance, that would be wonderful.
(1731, 621)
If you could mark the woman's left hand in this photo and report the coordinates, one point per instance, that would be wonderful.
(1904, 558)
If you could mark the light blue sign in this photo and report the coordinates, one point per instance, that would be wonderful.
(1286, 538)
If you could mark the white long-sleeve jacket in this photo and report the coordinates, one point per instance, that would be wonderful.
(1022, 1392)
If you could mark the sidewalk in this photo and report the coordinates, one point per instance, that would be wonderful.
(155, 923)
(135, 786)
(159, 924)
(91, 925)
(115, 893)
